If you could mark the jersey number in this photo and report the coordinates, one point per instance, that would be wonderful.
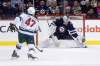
(30, 22)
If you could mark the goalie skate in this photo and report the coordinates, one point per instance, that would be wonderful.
(31, 57)
(83, 46)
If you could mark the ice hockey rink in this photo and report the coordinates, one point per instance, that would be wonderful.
(53, 57)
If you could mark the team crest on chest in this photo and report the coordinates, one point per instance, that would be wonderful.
(61, 29)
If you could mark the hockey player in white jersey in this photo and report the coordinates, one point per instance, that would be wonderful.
(27, 25)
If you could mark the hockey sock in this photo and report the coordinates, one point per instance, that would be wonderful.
(31, 49)
(18, 47)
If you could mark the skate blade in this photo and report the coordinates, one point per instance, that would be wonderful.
(33, 59)
(14, 58)
(84, 47)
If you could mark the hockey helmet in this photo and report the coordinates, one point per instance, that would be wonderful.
(31, 10)
(66, 19)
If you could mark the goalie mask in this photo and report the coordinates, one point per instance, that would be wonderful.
(31, 10)
(66, 19)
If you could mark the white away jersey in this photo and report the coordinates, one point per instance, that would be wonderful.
(27, 24)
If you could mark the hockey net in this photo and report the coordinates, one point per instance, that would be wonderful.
(43, 36)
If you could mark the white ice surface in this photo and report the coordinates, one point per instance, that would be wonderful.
(54, 57)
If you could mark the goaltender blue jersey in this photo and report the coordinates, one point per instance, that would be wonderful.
(62, 30)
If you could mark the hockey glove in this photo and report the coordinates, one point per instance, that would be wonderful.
(12, 27)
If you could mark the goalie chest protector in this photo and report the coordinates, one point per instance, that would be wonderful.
(62, 30)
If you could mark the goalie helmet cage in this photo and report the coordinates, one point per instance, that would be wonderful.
(78, 22)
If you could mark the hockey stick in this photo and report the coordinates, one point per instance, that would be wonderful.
(39, 49)
(37, 43)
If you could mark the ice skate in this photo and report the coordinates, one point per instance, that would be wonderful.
(83, 46)
(31, 57)
(15, 55)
